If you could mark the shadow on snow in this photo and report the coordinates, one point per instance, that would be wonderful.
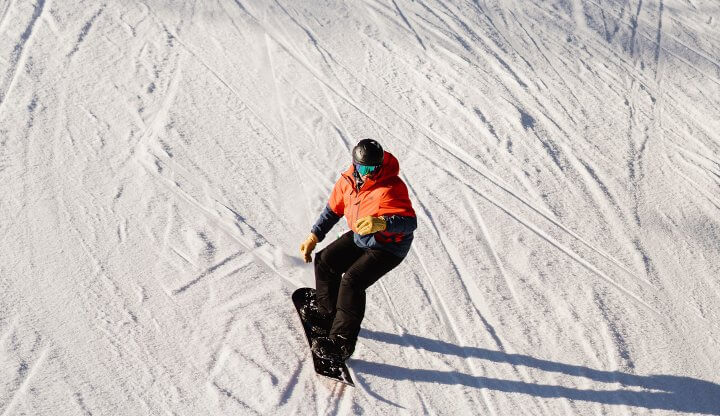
(675, 393)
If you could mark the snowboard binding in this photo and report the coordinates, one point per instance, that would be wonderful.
(311, 315)
(334, 348)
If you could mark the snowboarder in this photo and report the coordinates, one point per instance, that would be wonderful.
(375, 202)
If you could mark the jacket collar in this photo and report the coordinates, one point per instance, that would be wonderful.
(390, 168)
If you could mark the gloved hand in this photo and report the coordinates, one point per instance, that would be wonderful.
(370, 225)
(308, 246)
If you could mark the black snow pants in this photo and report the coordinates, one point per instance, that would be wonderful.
(343, 271)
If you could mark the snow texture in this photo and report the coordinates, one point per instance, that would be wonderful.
(161, 161)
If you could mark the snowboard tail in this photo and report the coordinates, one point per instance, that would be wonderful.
(336, 370)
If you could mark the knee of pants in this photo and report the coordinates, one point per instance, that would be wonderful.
(319, 260)
(352, 281)
(326, 270)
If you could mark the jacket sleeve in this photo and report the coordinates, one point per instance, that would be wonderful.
(327, 221)
(400, 224)
(332, 213)
(397, 209)
(336, 203)
(396, 201)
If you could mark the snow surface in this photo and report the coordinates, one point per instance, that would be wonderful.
(161, 161)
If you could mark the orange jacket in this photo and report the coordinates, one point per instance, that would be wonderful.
(383, 195)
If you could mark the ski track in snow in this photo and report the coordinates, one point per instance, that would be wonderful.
(18, 55)
(162, 161)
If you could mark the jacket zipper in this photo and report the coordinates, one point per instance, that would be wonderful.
(353, 189)
(356, 203)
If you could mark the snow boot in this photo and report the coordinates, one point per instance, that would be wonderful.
(333, 347)
(320, 322)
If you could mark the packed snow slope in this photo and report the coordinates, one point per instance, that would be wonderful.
(161, 161)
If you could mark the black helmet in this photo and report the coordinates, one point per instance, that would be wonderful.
(368, 152)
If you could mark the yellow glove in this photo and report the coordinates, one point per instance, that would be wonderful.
(370, 225)
(308, 246)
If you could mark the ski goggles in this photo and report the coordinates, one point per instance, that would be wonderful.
(364, 170)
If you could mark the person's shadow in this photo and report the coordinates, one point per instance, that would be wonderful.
(665, 392)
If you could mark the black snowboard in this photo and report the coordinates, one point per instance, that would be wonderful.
(335, 370)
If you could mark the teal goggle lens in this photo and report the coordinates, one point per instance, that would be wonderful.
(365, 170)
